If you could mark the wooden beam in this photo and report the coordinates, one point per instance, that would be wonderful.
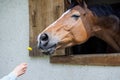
(91, 59)
(42, 13)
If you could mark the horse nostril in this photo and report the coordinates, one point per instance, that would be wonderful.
(44, 37)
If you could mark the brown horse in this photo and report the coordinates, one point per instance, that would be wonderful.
(76, 26)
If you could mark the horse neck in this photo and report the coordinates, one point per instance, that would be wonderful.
(108, 30)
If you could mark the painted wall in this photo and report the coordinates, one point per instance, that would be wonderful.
(14, 39)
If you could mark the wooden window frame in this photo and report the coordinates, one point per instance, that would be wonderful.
(112, 59)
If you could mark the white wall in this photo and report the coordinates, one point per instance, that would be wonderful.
(14, 39)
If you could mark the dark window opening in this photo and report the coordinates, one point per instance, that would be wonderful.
(92, 46)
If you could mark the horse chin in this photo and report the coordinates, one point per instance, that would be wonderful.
(48, 51)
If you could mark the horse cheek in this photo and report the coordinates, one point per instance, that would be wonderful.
(80, 35)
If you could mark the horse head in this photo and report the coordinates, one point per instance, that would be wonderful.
(68, 30)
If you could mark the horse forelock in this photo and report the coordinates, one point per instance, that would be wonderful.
(77, 2)
(73, 5)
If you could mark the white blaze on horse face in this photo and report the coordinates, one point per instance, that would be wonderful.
(60, 17)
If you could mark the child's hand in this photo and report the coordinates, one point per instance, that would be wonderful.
(20, 69)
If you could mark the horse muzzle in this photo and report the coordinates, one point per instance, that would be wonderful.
(46, 44)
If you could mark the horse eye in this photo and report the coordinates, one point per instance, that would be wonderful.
(75, 16)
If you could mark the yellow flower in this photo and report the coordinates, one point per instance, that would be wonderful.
(29, 48)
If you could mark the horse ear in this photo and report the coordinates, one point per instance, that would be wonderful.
(69, 1)
(82, 3)
(85, 5)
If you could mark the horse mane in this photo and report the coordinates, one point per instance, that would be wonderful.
(102, 10)
(97, 9)
(105, 10)
(107, 14)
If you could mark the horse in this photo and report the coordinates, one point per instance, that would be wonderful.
(77, 25)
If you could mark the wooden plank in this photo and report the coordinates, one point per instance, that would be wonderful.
(92, 59)
(42, 13)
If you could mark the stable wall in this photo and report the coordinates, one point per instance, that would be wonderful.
(14, 39)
